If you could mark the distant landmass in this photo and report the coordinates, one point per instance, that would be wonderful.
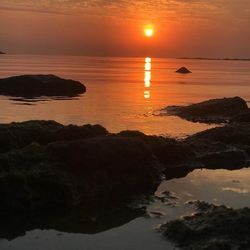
(2, 53)
(222, 59)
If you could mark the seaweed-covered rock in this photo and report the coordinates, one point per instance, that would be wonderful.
(222, 147)
(20, 134)
(40, 85)
(211, 111)
(76, 164)
(64, 173)
(183, 70)
(214, 227)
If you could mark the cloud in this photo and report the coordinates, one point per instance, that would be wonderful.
(168, 10)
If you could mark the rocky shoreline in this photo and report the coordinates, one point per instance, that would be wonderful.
(77, 163)
(47, 167)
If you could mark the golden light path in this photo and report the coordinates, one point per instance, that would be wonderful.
(147, 77)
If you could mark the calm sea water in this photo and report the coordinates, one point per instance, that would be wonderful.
(124, 93)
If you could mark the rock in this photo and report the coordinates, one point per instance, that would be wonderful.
(214, 227)
(62, 174)
(78, 164)
(220, 138)
(211, 111)
(230, 159)
(83, 162)
(242, 117)
(30, 86)
(2, 53)
(183, 70)
(18, 135)
(225, 147)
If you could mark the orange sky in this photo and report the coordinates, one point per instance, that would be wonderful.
(192, 28)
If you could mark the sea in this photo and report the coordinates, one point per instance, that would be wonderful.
(125, 93)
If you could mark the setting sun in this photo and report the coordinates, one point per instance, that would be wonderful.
(149, 31)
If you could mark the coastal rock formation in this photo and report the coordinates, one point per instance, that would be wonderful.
(213, 227)
(30, 86)
(2, 53)
(242, 117)
(183, 70)
(45, 165)
(222, 147)
(212, 111)
(16, 135)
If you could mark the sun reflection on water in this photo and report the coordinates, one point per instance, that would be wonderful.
(147, 77)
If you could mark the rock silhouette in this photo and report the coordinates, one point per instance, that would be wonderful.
(213, 111)
(213, 227)
(40, 85)
(183, 70)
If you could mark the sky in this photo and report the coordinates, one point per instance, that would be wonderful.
(183, 28)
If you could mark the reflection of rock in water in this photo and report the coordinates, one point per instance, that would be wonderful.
(30, 86)
(33, 101)
(96, 217)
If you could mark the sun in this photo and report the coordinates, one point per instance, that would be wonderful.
(149, 31)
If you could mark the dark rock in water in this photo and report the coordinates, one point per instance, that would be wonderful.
(242, 117)
(222, 147)
(45, 166)
(214, 227)
(230, 159)
(211, 111)
(183, 70)
(63, 166)
(18, 135)
(40, 85)
(2, 53)
(231, 135)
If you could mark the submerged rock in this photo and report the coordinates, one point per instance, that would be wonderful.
(183, 70)
(211, 111)
(40, 85)
(214, 227)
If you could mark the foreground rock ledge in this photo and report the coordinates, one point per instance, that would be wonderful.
(30, 86)
(212, 228)
(213, 111)
(47, 166)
